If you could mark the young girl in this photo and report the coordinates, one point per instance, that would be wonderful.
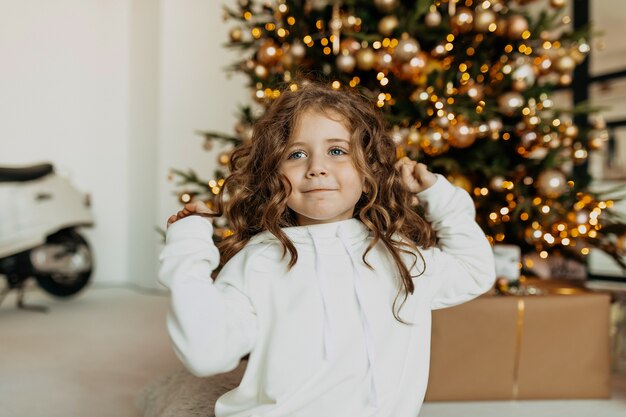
(330, 277)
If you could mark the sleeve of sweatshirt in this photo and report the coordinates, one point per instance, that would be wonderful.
(211, 325)
(461, 266)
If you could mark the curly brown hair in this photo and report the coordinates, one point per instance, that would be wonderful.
(258, 192)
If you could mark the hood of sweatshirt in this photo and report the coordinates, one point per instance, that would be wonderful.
(351, 231)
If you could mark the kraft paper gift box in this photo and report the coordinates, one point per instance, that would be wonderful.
(521, 347)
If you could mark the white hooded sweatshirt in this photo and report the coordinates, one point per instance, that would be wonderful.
(322, 337)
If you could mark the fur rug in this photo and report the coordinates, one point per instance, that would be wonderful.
(181, 394)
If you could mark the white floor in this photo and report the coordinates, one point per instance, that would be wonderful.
(91, 355)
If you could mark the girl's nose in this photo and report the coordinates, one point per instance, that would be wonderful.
(316, 172)
(316, 168)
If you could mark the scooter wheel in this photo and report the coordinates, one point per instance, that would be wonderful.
(72, 276)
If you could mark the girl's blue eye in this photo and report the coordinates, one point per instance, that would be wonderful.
(296, 155)
(337, 152)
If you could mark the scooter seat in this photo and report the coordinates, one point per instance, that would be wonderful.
(25, 173)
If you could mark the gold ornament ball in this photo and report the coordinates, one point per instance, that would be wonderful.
(571, 131)
(577, 56)
(186, 196)
(501, 26)
(567, 142)
(269, 53)
(529, 140)
(350, 44)
(531, 237)
(246, 134)
(553, 140)
(248, 65)
(413, 69)
(579, 154)
(461, 181)
(597, 138)
(595, 144)
(565, 79)
(398, 134)
(557, 4)
(258, 96)
(474, 91)
(581, 217)
(510, 102)
(387, 25)
(525, 73)
(224, 158)
(495, 125)
(439, 51)
(384, 60)
(442, 122)
(544, 65)
(516, 25)
(365, 59)
(483, 20)
(386, 5)
(287, 59)
(565, 64)
(346, 62)
(432, 142)
(407, 49)
(462, 21)
(519, 85)
(482, 130)
(551, 183)
(432, 19)
(297, 50)
(261, 71)
(462, 134)
(412, 139)
(497, 183)
(350, 21)
(235, 34)
(538, 153)
(407, 72)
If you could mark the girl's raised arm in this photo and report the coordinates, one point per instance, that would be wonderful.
(211, 326)
(461, 266)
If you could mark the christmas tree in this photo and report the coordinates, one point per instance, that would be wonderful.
(466, 86)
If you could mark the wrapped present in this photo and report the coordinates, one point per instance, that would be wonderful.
(522, 347)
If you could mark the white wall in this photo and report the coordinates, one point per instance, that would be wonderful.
(111, 92)
(64, 99)
(195, 93)
(143, 147)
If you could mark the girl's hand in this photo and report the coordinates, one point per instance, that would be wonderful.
(414, 177)
(195, 207)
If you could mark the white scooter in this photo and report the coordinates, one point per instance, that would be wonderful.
(39, 216)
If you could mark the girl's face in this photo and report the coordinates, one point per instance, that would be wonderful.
(325, 184)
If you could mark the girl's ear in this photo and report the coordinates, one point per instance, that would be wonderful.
(367, 188)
